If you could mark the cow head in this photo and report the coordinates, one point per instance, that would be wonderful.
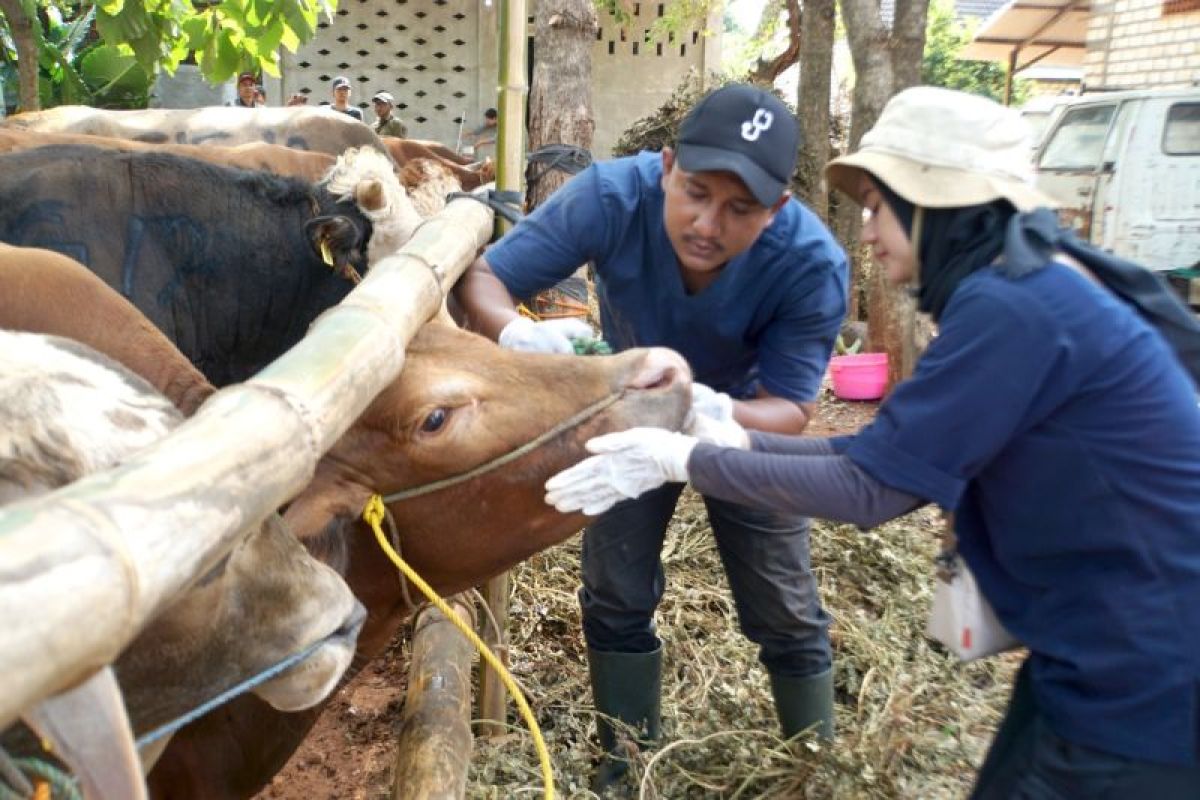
(66, 411)
(267, 600)
(462, 402)
(365, 213)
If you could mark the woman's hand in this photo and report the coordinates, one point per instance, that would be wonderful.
(626, 465)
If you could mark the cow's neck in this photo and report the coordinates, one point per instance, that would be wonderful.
(268, 322)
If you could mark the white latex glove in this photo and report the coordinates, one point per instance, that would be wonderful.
(711, 403)
(712, 421)
(722, 433)
(626, 465)
(546, 336)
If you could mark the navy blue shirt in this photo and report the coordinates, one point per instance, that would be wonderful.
(769, 319)
(1066, 437)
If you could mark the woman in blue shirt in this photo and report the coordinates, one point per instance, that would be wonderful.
(1058, 424)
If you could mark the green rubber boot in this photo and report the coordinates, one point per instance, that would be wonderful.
(625, 686)
(803, 703)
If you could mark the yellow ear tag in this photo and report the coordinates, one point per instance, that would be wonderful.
(326, 256)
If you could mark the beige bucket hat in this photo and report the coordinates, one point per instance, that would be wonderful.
(941, 148)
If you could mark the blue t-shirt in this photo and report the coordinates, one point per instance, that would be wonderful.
(770, 318)
(1066, 437)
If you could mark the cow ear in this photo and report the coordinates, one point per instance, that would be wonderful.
(320, 515)
(368, 195)
(335, 240)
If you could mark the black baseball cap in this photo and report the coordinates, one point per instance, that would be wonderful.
(744, 130)
(340, 81)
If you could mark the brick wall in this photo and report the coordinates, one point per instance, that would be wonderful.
(1133, 44)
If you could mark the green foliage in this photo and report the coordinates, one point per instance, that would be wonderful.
(114, 78)
(139, 36)
(741, 49)
(945, 38)
(227, 37)
(678, 16)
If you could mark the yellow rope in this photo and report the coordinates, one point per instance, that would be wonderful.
(374, 514)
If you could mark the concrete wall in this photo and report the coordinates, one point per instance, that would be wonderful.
(631, 77)
(440, 61)
(1132, 44)
(188, 89)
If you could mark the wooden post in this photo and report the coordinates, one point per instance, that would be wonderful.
(493, 697)
(435, 744)
(87, 565)
(510, 170)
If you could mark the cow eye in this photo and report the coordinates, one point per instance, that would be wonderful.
(435, 420)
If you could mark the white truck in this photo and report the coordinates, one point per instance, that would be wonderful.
(1126, 168)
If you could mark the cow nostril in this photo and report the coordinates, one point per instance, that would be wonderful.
(660, 369)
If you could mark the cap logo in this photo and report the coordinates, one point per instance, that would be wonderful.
(754, 127)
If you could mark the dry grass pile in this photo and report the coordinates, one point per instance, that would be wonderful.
(912, 721)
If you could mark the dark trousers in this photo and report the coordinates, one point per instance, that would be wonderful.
(765, 555)
(1028, 761)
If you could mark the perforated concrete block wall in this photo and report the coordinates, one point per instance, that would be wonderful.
(438, 58)
(425, 53)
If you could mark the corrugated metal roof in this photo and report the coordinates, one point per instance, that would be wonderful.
(1045, 32)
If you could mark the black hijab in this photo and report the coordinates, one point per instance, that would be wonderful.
(953, 243)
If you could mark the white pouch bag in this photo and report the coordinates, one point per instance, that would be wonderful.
(961, 618)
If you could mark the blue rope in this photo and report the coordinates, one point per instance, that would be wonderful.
(225, 697)
(16, 772)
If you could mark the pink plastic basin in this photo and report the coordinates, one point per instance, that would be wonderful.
(862, 376)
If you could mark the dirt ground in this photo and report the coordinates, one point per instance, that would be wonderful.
(912, 721)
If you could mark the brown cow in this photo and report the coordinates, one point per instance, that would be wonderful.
(300, 127)
(428, 183)
(470, 175)
(46, 292)
(67, 411)
(424, 146)
(273, 158)
(460, 403)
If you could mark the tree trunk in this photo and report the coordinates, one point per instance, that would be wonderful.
(765, 72)
(560, 99)
(908, 42)
(812, 100)
(21, 28)
(884, 63)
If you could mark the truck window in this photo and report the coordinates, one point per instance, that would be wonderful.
(1182, 134)
(1078, 141)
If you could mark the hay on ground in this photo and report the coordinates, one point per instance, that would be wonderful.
(912, 720)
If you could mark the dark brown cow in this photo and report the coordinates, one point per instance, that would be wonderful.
(460, 403)
(300, 127)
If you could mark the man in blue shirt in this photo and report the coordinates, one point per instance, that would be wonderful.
(700, 249)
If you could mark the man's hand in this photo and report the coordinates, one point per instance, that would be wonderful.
(712, 419)
(547, 336)
(626, 465)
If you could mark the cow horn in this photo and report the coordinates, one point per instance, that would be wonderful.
(368, 194)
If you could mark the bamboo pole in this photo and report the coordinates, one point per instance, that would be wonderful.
(435, 741)
(493, 697)
(510, 170)
(83, 568)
